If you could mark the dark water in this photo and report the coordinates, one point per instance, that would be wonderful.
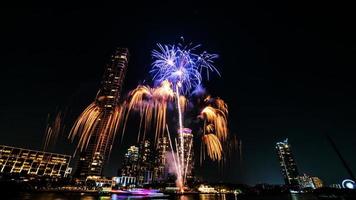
(77, 196)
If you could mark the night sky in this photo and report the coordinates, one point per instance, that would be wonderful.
(287, 72)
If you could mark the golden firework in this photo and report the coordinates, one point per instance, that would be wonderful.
(213, 146)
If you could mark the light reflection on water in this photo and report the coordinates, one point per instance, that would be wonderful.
(78, 196)
(178, 197)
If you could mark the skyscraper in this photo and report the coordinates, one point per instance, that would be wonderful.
(130, 165)
(161, 168)
(187, 152)
(145, 164)
(93, 158)
(287, 163)
(138, 163)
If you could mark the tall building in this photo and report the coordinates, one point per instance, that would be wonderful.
(21, 161)
(287, 163)
(130, 165)
(93, 158)
(139, 163)
(145, 164)
(161, 165)
(187, 152)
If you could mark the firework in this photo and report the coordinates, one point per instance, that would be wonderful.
(151, 103)
(181, 66)
(231, 146)
(87, 125)
(213, 146)
(216, 119)
(177, 71)
(53, 129)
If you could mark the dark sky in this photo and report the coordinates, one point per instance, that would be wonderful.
(287, 71)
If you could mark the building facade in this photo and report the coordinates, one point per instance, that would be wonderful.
(288, 165)
(139, 163)
(188, 152)
(161, 165)
(94, 157)
(130, 165)
(125, 181)
(146, 163)
(21, 161)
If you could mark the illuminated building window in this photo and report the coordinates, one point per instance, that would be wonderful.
(29, 161)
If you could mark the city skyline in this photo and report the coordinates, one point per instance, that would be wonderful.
(97, 137)
(279, 90)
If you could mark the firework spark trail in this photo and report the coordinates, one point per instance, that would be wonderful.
(53, 130)
(109, 131)
(151, 103)
(180, 132)
(87, 124)
(180, 63)
(179, 180)
(84, 125)
(215, 132)
(48, 137)
(178, 71)
(216, 119)
(171, 146)
(219, 103)
(213, 146)
(182, 68)
(183, 103)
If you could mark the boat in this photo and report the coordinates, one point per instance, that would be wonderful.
(120, 192)
(139, 192)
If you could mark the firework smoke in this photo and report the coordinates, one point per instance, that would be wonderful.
(182, 67)
(177, 72)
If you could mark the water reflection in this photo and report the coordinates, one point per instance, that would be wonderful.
(87, 197)
(303, 197)
(212, 196)
(105, 198)
(183, 197)
(79, 196)
(122, 197)
(177, 197)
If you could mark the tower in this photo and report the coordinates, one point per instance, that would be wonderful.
(145, 163)
(161, 168)
(287, 163)
(188, 152)
(94, 157)
(138, 163)
(130, 165)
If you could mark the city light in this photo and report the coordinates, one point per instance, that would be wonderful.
(182, 66)
(96, 128)
(348, 183)
(177, 72)
(114, 103)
